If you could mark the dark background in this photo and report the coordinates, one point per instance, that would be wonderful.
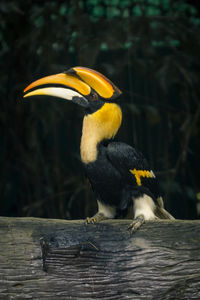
(149, 49)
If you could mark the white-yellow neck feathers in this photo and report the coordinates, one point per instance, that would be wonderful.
(102, 124)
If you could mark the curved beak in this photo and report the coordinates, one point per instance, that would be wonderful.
(75, 84)
(73, 88)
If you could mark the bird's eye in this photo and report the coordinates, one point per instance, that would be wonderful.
(93, 96)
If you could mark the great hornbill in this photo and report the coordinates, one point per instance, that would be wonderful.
(120, 176)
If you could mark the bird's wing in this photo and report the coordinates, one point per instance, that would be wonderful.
(134, 170)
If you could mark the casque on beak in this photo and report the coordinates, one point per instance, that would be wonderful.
(76, 85)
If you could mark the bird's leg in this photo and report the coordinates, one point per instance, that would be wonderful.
(137, 223)
(144, 208)
(104, 212)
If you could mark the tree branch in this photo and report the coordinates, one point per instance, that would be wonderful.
(58, 259)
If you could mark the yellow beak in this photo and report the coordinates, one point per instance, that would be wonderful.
(75, 90)
(61, 79)
(77, 83)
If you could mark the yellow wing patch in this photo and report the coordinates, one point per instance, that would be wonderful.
(142, 173)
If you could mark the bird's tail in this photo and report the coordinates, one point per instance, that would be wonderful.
(160, 212)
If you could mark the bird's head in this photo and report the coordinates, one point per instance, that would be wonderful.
(96, 93)
(83, 86)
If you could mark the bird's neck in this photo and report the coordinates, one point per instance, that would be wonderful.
(102, 124)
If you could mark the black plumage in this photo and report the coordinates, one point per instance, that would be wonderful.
(111, 179)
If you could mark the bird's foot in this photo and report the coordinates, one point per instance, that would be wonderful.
(136, 224)
(98, 217)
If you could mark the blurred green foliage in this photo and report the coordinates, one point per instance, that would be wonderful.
(150, 49)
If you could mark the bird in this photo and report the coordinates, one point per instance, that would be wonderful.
(120, 176)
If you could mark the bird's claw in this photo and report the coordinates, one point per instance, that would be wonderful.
(91, 220)
(98, 217)
(136, 224)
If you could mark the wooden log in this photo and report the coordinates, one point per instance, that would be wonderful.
(58, 259)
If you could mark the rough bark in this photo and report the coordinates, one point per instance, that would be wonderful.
(58, 259)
